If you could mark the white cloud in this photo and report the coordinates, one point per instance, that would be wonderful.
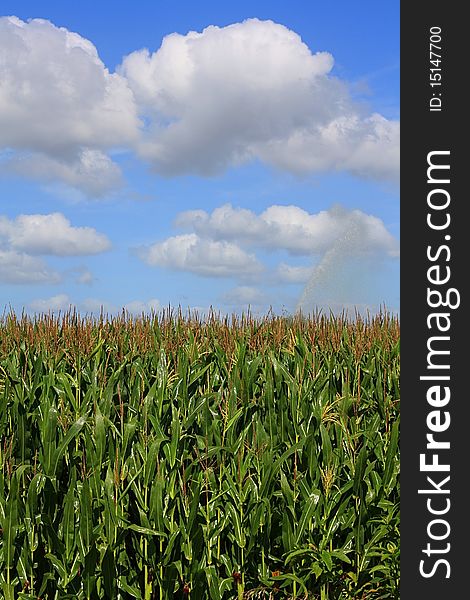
(60, 302)
(50, 234)
(96, 306)
(137, 307)
(253, 90)
(63, 302)
(201, 103)
(218, 243)
(56, 94)
(18, 267)
(291, 274)
(61, 106)
(291, 228)
(91, 171)
(84, 277)
(367, 147)
(244, 295)
(201, 256)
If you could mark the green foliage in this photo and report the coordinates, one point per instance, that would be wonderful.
(180, 458)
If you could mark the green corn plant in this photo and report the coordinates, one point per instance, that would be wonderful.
(170, 456)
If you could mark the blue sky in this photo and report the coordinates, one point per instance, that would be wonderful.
(199, 154)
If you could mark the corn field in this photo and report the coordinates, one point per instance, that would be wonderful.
(171, 456)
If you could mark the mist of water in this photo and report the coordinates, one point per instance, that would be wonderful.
(337, 281)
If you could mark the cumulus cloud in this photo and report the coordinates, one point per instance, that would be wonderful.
(25, 238)
(91, 171)
(50, 234)
(210, 258)
(368, 148)
(81, 275)
(60, 107)
(63, 302)
(59, 302)
(253, 90)
(291, 274)
(201, 103)
(291, 228)
(19, 267)
(57, 95)
(85, 277)
(96, 306)
(228, 242)
(137, 307)
(244, 295)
